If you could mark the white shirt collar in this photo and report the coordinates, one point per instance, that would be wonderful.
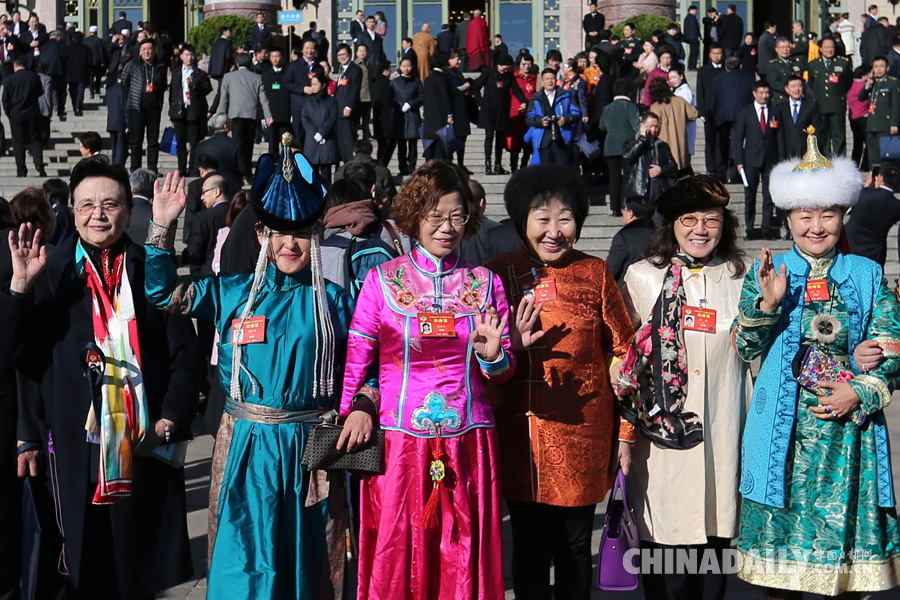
(759, 106)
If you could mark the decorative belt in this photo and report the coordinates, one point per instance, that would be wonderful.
(269, 415)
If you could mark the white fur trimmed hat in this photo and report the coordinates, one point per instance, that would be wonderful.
(815, 182)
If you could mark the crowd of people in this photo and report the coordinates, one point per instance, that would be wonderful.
(489, 365)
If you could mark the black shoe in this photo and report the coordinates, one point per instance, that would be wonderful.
(488, 170)
(753, 234)
(466, 170)
(774, 234)
(499, 170)
(42, 173)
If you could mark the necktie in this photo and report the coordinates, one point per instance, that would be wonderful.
(762, 119)
(796, 110)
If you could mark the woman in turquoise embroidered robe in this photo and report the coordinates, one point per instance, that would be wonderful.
(818, 512)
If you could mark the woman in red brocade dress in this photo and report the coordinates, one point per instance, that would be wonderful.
(517, 127)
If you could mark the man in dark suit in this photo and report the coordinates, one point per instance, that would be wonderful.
(445, 39)
(78, 71)
(732, 31)
(406, 51)
(794, 115)
(712, 24)
(279, 99)
(875, 41)
(260, 34)
(691, 30)
(438, 105)
(296, 81)
(357, 26)
(594, 22)
(21, 92)
(10, 49)
(226, 150)
(347, 96)
(731, 92)
(500, 49)
(615, 52)
(121, 24)
(98, 59)
(373, 42)
(766, 48)
(876, 211)
(142, 181)
(34, 37)
(53, 54)
(205, 225)
(715, 162)
(497, 86)
(221, 55)
(630, 242)
(672, 40)
(207, 165)
(756, 152)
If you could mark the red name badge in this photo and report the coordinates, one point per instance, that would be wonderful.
(753, 53)
(833, 78)
(499, 84)
(437, 325)
(343, 81)
(149, 88)
(871, 109)
(699, 319)
(253, 331)
(817, 290)
(542, 291)
(773, 123)
(627, 50)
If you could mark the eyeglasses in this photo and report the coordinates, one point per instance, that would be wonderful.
(204, 190)
(708, 222)
(109, 207)
(455, 220)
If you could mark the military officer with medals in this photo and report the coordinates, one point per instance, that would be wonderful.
(830, 77)
(781, 68)
(883, 94)
(631, 51)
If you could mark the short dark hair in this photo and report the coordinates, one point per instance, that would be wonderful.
(879, 57)
(91, 140)
(78, 37)
(439, 60)
(408, 40)
(344, 191)
(236, 205)
(793, 78)
(640, 207)
(31, 206)
(861, 71)
(362, 147)
(243, 60)
(630, 24)
(91, 167)
(660, 92)
(56, 191)
(208, 162)
(691, 7)
(890, 170)
(223, 30)
(716, 46)
(762, 83)
(621, 87)
(554, 54)
(190, 48)
(360, 171)
(768, 24)
(534, 187)
(732, 7)
(497, 35)
(122, 14)
(344, 47)
(649, 114)
(382, 65)
(549, 70)
(665, 49)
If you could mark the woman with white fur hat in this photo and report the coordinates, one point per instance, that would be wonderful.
(818, 510)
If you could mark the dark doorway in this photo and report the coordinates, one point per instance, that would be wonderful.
(776, 11)
(456, 8)
(168, 15)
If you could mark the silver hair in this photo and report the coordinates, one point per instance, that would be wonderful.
(142, 181)
(218, 122)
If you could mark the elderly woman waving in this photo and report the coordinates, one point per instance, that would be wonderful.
(818, 512)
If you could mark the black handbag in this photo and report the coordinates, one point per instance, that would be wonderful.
(321, 451)
(176, 110)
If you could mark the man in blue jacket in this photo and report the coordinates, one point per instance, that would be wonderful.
(552, 118)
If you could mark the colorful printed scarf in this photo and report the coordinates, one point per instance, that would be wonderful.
(653, 378)
(123, 420)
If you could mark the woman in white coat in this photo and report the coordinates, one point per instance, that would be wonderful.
(683, 481)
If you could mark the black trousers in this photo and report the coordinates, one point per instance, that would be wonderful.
(859, 154)
(324, 173)
(407, 154)
(345, 132)
(715, 160)
(545, 535)
(687, 586)
(119, 141)
(385, 150)
(873, 146)
(58, 85)
(434, 152)
(754, 174)
(276, 130)
(694, 47)
(299, 130)
(556, 153)
(244, 130)
(364, 117)
(138, 121)
(97, 73)
(187, 132)
(25, 133)
(614, 168)
(76, 96)
(723, 133)
(490, 135)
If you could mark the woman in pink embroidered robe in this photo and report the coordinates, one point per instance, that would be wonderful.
(415, 315)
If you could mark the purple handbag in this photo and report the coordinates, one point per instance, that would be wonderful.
(619, 536)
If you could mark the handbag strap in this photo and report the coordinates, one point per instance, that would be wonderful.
(619, 486)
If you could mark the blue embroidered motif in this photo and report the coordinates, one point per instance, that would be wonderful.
(435, 413)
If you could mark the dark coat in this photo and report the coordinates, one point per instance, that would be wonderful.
(260, 36)
(405, 125)
(752, 148)
(200, 89)
(221, 58)
(893, 63)
(121, 24)
(201, 245)
(676, 46)
(705, 77)
(414, 60)
(21, 92)
(135, 77)
(115, 108)
(279, 97)
(708, 25)
(499, 50)
(356, 28)
(53, 54)
(10, 54)
(118, 58)
(875, 41)
(731, 34)
(766, 47)
(78, 63)
(592, 23)
(347, 91)
(241, 247)
(149, 528)
(731, 92)
(749, 55)
(320, 113)
(691, 28)
(793, 137)
(27, 37)
(638, 155)
(492, 240)
(226, 150)
(876, 211)
(376, 48)
(445, 42)
(495, 98)
(438, 103)
(628, 245)
(296, 78)
(382, 110)
(141, 214)
(461, 125)
(616, 54)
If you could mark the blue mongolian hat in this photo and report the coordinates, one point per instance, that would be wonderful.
(287, 194)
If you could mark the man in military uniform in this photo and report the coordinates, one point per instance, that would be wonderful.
(799, 44)
(883, 94)
(779, 69)
(631, 51)
(830, 77)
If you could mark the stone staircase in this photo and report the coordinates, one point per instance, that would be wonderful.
(62, 154)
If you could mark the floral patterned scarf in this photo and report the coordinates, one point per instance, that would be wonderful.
(653, 378)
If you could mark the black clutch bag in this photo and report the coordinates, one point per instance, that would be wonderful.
(321, 451)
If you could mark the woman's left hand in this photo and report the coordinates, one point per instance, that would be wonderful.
(842, 401)
(155, 437)
(486, 336)
(621, 458)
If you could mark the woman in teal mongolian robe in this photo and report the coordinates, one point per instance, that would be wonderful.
(818, 510)
(276, 531)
